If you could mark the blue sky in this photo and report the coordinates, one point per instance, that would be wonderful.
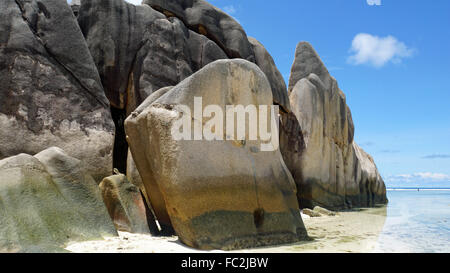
(391, 59)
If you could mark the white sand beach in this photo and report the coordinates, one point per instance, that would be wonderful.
(355, 231)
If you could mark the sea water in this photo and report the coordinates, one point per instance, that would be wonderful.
(417, 221)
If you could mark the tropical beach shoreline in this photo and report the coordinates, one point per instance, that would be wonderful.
(353, 231)
(413, 222)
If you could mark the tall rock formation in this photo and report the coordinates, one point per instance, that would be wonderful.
(333, 171)
(138, 50)
(216, 194)
(50, 90)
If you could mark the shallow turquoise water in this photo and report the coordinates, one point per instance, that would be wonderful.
(416, 222)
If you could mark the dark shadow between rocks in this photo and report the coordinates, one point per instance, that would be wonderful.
(120, 142)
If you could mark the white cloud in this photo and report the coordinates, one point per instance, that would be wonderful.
(374, 2)
(377, 51)
(229, 9)
(419, 177)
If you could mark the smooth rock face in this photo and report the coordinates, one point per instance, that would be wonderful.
(267, 65)
(48, 200)
(333, 172)
(51, 94)
(125, 204)
(204, 18)
(216, 194)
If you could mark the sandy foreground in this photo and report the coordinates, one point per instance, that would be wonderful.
(355, 231)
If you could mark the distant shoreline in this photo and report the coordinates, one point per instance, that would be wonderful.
(418, 188)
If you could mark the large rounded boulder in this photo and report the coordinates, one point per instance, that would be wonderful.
(221, 193)
(48, 200)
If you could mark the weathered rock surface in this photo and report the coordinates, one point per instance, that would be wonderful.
(324, 211)
(292, 144)
(138, 164)
(216, 194)
(146, 50)
(138, 50)
(125, 204)
(318, 212)
(204, 18)
(114, 31)
(372, 190)
(64, 70)
(306, 62)
(47, 200)
(75, 6)
(203, 51)
(311, 213)
(51, 94)
(267, 65)
(332, 172)
(135, 178)
(133, 174)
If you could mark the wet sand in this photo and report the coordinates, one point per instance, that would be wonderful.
(355, 231)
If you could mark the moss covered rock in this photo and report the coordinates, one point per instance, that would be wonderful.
(47, 200)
